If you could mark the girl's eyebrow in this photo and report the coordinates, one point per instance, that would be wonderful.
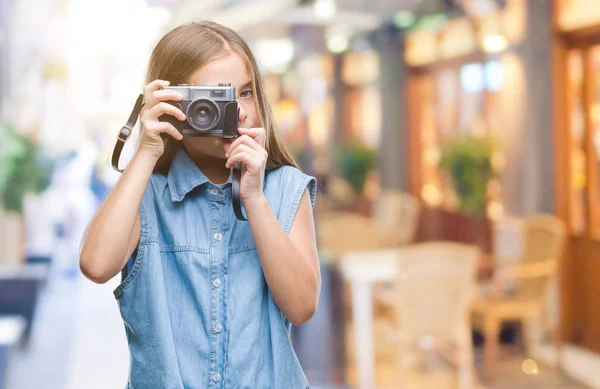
(246, 85)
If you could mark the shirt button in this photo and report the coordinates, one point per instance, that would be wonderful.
(218, 236)
(214, 191)
(217, 283)
(216, 377)
(218, 328)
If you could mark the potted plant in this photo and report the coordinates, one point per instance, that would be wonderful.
(467, 161)
(23, 169)
(355, 161)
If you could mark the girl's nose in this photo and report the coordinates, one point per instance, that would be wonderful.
(242, 115)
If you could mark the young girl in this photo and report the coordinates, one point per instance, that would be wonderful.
(208, 300)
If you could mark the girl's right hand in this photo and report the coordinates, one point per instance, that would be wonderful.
(155, 105)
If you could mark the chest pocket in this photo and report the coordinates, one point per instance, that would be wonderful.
(241, 238)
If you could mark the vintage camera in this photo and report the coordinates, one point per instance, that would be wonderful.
(211, 111)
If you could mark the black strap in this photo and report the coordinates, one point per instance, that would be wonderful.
(235, 189)
(126, 131)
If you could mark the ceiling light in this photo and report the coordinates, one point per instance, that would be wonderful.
(324, 9)
(494, 43)
(337, 39)
(337, 44)
(275, 54)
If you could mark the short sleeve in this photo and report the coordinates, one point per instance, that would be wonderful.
(292, 183)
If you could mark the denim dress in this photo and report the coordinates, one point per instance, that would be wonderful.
(193, 296)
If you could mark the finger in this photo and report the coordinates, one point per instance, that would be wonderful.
(242, 149)
(246, 158)
(259, 134)
(162, 95)
(165, 108)
(151, 87)
(157, 128)
(166, 94)
(246, 140)
(258, 159)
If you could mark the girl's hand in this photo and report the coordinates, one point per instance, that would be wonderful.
(249, 149)
(155, 106)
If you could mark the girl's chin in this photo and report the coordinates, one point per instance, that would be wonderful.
(210, 147)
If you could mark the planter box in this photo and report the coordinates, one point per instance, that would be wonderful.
(441, 224)
(362, 206)
(12, 239)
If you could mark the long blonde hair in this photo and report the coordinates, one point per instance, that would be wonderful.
(187, 48)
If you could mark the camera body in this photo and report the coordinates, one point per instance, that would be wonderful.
(211, 111)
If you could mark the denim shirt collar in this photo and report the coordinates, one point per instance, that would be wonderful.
(184, 176)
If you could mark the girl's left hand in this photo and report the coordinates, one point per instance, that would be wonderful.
(249, 149)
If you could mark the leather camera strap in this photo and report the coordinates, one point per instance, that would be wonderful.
(125, 132)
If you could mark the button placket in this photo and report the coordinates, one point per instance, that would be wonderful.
(219, 227)
(214, 298)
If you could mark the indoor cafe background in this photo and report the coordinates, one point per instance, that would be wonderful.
(456, 144)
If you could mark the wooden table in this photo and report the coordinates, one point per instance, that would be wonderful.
(362, 270)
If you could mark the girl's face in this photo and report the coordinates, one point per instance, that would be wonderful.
(232, 70)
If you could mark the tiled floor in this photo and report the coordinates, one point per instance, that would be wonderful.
(438, 375)
(435, 373)
(511, 376)
(444, 377)
(79, 342)
(43, 363)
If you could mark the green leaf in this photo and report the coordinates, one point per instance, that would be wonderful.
(23, 168)
(467, 160)
(355, 161)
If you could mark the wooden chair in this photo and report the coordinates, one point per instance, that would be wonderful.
(394, 224)
(544, 237)
(339, 195)
(434, 290)
(398, 213)
(341, 232)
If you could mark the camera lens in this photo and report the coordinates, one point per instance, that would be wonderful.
(203, 114)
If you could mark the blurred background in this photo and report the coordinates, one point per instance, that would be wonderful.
(457, 148)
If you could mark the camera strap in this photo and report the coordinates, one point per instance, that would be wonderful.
(125, 133)
(235, 190)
